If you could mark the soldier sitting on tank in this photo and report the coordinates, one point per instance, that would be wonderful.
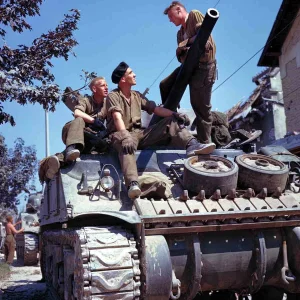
(89, 113)
(81, 134)
(124, 125)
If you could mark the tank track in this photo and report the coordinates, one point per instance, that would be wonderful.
(28, 248)
(91, 263)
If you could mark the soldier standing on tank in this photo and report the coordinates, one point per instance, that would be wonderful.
(124, 125)
(10, 242)
(204, 75)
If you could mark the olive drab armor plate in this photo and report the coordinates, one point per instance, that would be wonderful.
(104, 234)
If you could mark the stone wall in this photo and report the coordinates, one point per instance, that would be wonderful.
(290, 74)
(291, 95)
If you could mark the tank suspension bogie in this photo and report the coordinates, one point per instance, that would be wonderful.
(92, 263)
(27, 245)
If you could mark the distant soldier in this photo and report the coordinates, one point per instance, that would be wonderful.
(10, 242)
(204, 75)
(89, 114)
(124, 125)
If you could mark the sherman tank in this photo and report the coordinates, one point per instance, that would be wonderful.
(211, 228)
(27, 244)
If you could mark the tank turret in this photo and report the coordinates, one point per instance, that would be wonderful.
(34, 203)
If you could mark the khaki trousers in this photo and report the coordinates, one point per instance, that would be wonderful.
(72, 132)
(9, 248)
(200, 84)
(165, 132)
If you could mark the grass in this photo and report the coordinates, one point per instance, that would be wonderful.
(4, 271)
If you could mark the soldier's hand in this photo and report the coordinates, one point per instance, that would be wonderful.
(98, 124)
(208, 46)
(182, 119)
(181, 53)
(128, 145)
(183, 43)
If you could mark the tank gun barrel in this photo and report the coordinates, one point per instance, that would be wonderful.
(193, 56)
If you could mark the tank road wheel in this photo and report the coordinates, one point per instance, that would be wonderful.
(92, 263)
(260, 171)
(210, 173)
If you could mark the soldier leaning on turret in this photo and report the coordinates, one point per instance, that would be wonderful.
(86, 130)
(10, 242)
(124, 125)
(204, 75)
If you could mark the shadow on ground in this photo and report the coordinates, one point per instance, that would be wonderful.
(19, 282)
(31, 291)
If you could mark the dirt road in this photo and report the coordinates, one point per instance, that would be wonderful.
(21, 282)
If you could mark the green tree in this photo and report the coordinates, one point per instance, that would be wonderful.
(25, 72)
(18, 167)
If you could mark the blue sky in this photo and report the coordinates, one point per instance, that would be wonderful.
(139, 33)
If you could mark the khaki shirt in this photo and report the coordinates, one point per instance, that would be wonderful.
(90, 107)
(131, 113)
(193, 23)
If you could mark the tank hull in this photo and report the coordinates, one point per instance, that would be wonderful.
(175, 247)
(109, 262)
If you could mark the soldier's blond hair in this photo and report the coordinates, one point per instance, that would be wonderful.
(9, 218)
(94, 81)
(173, 4)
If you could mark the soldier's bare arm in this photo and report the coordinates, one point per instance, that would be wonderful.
(163, 112)
(119, 123)
(13, 230)
(19, 222)
(80, 114)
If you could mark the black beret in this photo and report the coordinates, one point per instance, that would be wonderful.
(119, 72)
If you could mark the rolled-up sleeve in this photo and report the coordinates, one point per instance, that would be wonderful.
(82, 104)
(147, 105)
(197, 19)
(113, 105)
